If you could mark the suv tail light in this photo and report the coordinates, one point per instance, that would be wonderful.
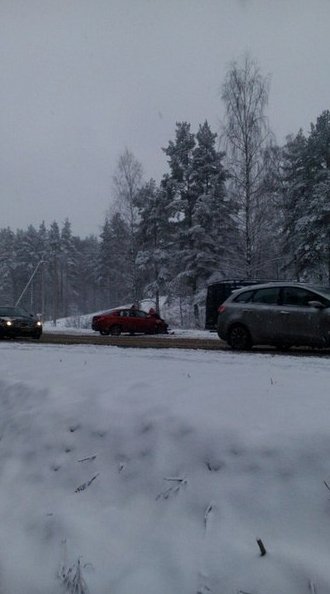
(221, 309)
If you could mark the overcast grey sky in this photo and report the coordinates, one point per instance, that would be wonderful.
(80, 80)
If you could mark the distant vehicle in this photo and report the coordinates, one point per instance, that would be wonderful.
(129, 320)
(15, 321)
(282, 314)
(217, 293)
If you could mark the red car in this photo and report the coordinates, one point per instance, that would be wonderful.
(116, 321)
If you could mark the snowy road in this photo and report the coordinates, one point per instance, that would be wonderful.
(178, 340)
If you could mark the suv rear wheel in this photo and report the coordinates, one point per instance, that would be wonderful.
(239, 338)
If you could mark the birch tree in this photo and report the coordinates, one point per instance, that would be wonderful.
(246, 135)
(127, 182)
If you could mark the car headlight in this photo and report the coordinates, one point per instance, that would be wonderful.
(8, 323)
(39, 323)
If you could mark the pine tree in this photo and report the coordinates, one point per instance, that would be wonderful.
(306, 182)
(68, 271)
(153, 240)
(213, 230)
(8, 291)
(87, 297)
(316, 223)
(54, 260)
(181, 199)
(114, 265)
(269, 262)
(201, 215)
(120, 246)
(105, 262)
(295, 190)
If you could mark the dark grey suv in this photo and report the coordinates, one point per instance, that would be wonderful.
(280, 314)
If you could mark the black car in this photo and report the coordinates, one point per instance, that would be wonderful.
(218, 292)
(15, 321)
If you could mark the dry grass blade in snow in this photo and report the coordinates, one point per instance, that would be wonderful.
(72, 579)
(87, 484)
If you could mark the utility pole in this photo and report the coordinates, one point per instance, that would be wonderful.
(29, 281)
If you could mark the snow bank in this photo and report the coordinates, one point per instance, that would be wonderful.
(160, 470)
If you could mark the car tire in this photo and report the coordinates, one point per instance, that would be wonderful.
(160, 329)
(36, 336)
(115, 330)
(239, 338)
(105, 332)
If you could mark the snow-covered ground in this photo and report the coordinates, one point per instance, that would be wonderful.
(170, 312)
(72, 326)
(173, 331)
(159, 470)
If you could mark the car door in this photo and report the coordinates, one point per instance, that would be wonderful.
(261, 315)
(125, 320)
(132, 321)
(302, 323)
(139, 323)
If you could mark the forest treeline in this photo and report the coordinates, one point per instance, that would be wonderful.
(233, 204)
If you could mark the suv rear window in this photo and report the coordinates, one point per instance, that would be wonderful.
(244, 297)
(268, 295)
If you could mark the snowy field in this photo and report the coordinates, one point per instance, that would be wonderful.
(155, 472)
